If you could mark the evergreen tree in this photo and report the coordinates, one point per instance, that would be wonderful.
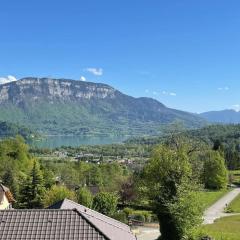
(37, 186)
(9, 180)
(33, 190)
(25, 196)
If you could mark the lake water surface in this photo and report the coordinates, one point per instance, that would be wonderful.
(74, 141)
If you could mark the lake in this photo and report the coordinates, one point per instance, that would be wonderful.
(74, 141)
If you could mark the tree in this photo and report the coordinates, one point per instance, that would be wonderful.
(105, 203)
(167, 180)
(37, 186)
(9, 180)
(127, 191)
(214, 171)
(84, 197)
(33, 189)
(58, 193)
(25, 197)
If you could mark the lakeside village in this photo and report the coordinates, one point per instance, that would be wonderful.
(131, 161)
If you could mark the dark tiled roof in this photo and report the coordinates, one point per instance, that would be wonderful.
(48, 225)
(111, 228)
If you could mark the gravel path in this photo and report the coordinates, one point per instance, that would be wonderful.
(147, 233)
(217, 210)
(210, 215)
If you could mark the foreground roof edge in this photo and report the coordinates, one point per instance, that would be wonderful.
(61, 202)
(89, 222)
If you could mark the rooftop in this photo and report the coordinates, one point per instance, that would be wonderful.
(111, 228)
(47, 224)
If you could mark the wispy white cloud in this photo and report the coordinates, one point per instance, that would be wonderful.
(82, 78)
(95, 71)
(7, 79)
(226, 88)
(157, 93)
(173, 94)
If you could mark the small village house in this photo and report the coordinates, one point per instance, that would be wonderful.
(6, 198)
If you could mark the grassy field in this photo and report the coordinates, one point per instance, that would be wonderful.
(227, 228)
(234, 206)
(208, 198)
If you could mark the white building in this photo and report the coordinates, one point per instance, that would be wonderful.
(6, 198)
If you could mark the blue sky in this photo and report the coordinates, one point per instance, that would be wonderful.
(184, 53)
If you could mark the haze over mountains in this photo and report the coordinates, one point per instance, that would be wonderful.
(68, 107)
(224, 116)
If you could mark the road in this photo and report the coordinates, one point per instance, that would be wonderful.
(148, 233)
(217, 210)
(210, 215)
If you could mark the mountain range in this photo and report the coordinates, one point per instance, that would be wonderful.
(69, 107)
(225, 116)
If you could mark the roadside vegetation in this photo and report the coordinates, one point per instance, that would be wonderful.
(209, 197)
(234, 206)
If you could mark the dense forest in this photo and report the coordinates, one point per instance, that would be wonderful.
(224, 137)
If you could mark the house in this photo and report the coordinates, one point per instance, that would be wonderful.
(6, 198)
(65, 220)
(111, 228)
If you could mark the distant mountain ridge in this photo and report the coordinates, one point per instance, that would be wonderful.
(225, 116)
(69, 107)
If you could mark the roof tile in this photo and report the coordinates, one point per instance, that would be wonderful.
(48, 225)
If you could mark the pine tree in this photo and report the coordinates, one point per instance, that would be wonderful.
(33, 190)
(10, 181)
(37, 186)
(25, 195)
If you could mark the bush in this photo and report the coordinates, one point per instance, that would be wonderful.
(58, 193)
(140, 215)
(105, 203)
(84, 197)
(120, 216)
(128, 211)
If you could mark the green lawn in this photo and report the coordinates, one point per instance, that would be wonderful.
(208, 198)
(234, 206)
(227, 228)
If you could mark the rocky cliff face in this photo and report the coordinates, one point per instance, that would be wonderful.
(62, 106)
(64, 90)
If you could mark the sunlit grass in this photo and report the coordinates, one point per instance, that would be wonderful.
(234, 206)
(227, 228)
(208, 198)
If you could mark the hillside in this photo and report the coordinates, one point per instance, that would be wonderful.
(11, 130)
(68, 107)
(225, 116)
